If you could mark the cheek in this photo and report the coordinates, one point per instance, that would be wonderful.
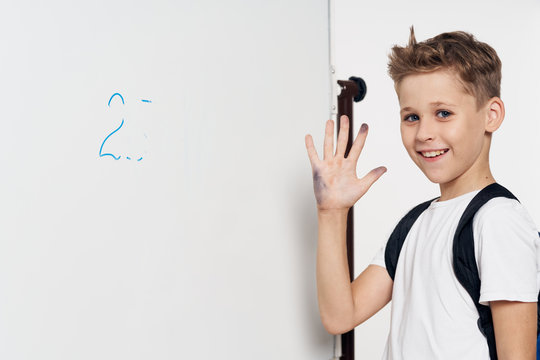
(466, 141)
(408, 136)
(474, 126)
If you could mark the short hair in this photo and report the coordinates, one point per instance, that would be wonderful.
(476, 63)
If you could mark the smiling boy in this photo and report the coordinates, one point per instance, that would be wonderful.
(449, 94)
(448, 138)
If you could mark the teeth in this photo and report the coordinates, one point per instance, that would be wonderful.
(433, 153)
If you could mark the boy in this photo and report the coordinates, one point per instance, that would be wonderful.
(448, 89)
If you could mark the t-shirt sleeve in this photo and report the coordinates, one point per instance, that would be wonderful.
(378, 259)
(506, 243)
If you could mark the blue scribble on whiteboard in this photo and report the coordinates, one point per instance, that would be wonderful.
(112, 97)
(101, 153)
(108, 136)
(103, 143)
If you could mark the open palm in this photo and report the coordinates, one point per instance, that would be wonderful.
(335, 182)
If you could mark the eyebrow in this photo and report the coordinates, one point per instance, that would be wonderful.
(433, 104)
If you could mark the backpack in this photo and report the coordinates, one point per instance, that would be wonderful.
(464, 261)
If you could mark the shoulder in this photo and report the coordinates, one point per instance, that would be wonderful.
(501, 212)
(502, 223)
(507, 249)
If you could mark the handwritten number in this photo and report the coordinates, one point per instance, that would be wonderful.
(101, 154)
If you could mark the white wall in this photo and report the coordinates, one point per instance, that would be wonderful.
(364, 34)
(205, 248)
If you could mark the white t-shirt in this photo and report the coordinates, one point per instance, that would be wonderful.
(433, 316)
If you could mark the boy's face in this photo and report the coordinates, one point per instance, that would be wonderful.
(441, 129)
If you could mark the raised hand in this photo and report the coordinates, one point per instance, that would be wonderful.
(335, 182)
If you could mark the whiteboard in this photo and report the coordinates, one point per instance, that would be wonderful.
(364, 35)
(157, 198)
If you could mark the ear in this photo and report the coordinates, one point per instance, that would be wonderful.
(494, 114)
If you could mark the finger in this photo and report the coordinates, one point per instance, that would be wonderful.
(329, 140)
(343, 136)
(312, 152)
(370, 178)
(359, 142)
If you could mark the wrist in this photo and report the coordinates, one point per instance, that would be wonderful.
(332, 212)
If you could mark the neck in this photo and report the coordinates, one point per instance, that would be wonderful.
(465, 184)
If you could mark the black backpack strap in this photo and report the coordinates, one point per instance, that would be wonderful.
(464, 260)
(397, 238)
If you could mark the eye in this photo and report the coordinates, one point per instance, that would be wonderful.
(411, 118)
(444, 113)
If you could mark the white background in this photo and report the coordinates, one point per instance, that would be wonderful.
(204, 249)
(364, 34)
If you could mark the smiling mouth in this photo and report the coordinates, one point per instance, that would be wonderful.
(433, 154)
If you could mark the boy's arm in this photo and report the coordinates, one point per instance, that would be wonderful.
(515, 324)
(343, 305)
(506, 244)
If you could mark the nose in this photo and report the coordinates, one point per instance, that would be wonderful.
(426, 129)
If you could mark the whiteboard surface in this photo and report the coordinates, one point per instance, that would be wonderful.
(199, 240)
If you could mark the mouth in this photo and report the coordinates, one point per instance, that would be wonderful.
(433, 154)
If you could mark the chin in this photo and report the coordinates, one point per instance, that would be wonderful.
(438, 178)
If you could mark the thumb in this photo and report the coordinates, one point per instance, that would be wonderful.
(370, 178)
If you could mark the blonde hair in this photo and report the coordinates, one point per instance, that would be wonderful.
(476, 63)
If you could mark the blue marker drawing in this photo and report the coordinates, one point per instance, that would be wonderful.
(103, 143)
(101, 154)
(112, 97)
(108, 136)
